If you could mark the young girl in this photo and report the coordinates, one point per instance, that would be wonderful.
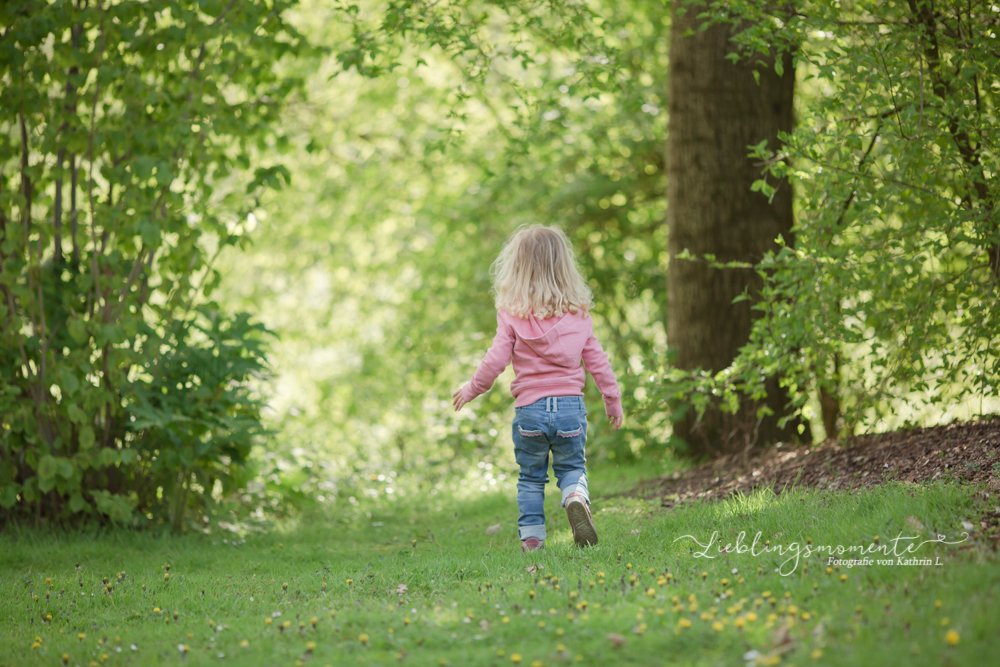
(544, 328)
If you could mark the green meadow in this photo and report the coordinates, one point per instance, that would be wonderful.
(414, 577)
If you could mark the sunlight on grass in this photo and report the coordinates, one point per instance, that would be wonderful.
(742, 505)
(380, 584)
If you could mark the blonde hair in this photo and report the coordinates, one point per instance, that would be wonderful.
(536, 273)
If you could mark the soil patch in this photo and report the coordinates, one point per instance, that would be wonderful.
(966, 452)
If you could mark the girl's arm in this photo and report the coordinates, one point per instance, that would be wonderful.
(596, 362)
(493, 364)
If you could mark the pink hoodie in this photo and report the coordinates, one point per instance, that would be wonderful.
(546, 355)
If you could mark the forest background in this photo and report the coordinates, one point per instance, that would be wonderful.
(283, 217)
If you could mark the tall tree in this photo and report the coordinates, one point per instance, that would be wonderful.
(718, 107)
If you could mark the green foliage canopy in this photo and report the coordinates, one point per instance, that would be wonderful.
(889, 298)
(126, 130)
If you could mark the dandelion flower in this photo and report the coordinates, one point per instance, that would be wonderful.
(363, 638)
(952, 637)
(515, 658)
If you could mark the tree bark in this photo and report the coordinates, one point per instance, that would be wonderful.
(718, 109)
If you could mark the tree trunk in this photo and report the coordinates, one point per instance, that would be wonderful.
(717, 109)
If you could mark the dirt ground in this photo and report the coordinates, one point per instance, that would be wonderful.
(967, 452)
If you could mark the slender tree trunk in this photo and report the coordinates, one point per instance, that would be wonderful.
(717, 109)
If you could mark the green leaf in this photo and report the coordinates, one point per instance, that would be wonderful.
(77, 503)
(8, 496)
(77, 330)
(47, 467)
(86, 437)
(66, 468)
(76, 415)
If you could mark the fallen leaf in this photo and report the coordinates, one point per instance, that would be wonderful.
(914, 523)
(967, 526)
(634, 532)
(616, 640)
(534, 568)
(493, 530)
(402, 588)
(781, 636)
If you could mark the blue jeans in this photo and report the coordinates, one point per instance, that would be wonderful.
(559, 424)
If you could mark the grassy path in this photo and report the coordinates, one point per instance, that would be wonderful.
(412, 584)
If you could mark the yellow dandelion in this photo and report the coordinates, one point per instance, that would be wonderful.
(515, 658)
(717, 626)
(81, 636)
(805, 616)
(560, 647)
(65, 658)
(560, 632)
(349, 581)
(766, 594)
(501, 653)
(843, 577)
(531, 594)
(740, 622)
(536, 663)
(363, 638)
(313, 621)
(684, 623)
(952, 637)
(651, 592)
(816, 654)
(245, 643)
(310, 646)
(541, 624)
(628, 566)
(267, 621)
(944, 621)
(506, 619)
(166, 576)
(937, 604)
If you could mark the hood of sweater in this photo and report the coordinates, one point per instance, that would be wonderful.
(559, 340)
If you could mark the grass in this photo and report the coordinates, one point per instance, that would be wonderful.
(389, 581)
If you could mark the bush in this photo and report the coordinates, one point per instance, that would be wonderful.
(125, 131)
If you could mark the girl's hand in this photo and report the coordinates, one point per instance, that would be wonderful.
(617, 421)
(458, 398)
